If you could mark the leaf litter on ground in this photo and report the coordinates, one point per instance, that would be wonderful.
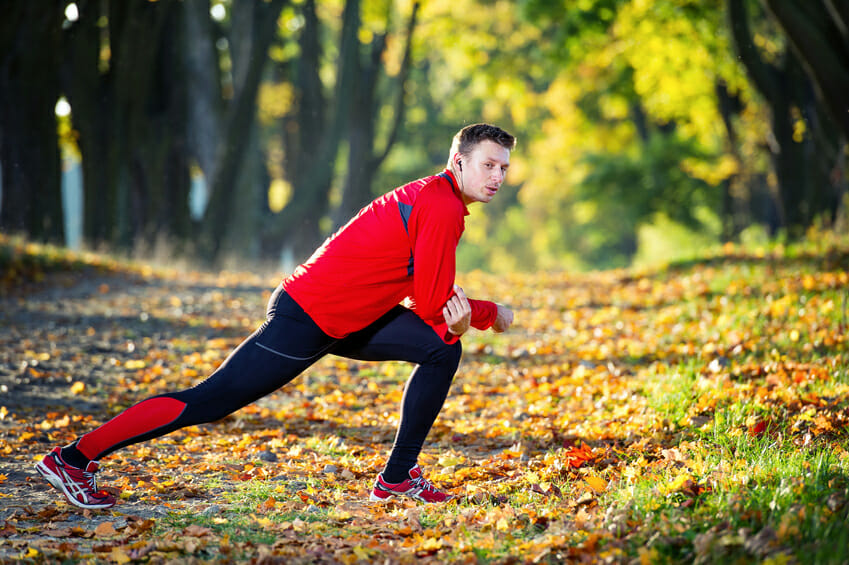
(693, 413)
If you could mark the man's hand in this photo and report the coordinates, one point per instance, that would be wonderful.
(458, 312)
(503, 319)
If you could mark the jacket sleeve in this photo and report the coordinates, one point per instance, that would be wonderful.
(438, 225)
(484, 313)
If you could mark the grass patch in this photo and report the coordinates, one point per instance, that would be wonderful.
(736, 498)
(22, 261)
(672, 393)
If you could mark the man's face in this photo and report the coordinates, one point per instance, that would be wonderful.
(482, 171)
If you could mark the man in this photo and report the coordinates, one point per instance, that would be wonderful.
(344, 300)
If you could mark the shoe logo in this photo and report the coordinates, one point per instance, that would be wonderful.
(75, 490)
(71, 485)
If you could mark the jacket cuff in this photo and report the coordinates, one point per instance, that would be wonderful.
(484, 313)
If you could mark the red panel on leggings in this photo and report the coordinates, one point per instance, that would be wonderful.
(135, 421)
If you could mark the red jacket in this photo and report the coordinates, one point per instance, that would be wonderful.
(402, 245)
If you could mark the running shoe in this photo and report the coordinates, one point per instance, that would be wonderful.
(78, 485)
(416, 487)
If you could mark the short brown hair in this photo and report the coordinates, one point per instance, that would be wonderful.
(468, 137)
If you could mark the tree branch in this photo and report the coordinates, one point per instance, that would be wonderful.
(403, 75)
(761, 73)
(839, 10)
(816, 39)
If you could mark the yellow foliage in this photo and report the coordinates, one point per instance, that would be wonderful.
(275, 101)
(711, 173)
(279, 194)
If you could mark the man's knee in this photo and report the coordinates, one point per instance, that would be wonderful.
(447, 355)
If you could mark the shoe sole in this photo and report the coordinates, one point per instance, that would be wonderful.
(374, 498)
(57, 483)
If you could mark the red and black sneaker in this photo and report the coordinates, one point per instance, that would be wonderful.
(78, 485)
(416, 487)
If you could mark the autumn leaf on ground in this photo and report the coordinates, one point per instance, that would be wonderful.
(627, 415)
(105, 529)
(596, 483)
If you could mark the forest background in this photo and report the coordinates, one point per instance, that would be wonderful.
(251, 129)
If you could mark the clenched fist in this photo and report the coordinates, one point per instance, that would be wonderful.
(458, 312)
(503, 319)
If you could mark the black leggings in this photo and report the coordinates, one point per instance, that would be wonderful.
(282, 348)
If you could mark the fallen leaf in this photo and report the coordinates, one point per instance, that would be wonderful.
(197, 531)
(120, 556)
(105, 529)
(596, 483)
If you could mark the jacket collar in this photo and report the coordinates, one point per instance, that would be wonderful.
(448, 175)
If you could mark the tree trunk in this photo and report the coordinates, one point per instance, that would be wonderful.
(87, 86)
(819, 150)
(239, 121)
(113, 98)
(161, 148)
(242, 239)
(203, 85)
(817, 31)
(779, 86)
(313, 149)
(735, 193)
(302, 133)
(356, 190)
(30, 37)
(362, 160)
(141, 99)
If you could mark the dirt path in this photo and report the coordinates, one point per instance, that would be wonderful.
(70, 347)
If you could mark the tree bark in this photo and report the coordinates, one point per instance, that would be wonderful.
(87, 86)
(203, 86)
(363, 160)
(30, 36)
(120, 103)
(781, 88)
(735, 196)
(817, 32)
(312, 151)
(238, 123)
(142, 99)
(361, 131)
(162, 149)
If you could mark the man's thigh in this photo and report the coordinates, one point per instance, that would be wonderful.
(398, 335)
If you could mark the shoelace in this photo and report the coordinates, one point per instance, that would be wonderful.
(91, 480)
(424, 484)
